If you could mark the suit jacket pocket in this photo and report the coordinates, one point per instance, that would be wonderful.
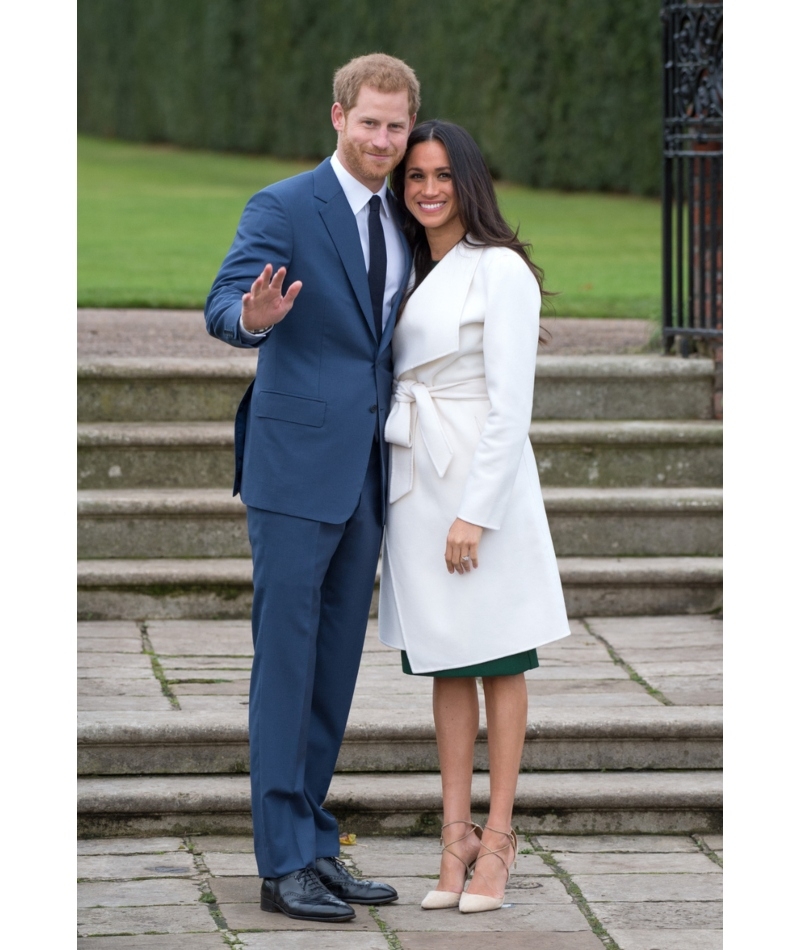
(288, 408)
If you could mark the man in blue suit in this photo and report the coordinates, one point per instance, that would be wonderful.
(311, 466)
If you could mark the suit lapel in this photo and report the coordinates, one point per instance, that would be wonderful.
(338, 217)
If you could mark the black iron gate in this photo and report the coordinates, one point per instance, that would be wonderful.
(692, 197)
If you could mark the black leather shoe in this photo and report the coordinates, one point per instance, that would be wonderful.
(340, 882)
(301, 896)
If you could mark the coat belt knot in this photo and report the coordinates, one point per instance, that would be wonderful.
(414, 400)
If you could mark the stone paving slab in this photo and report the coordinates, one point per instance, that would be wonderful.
(581, 940)
(207, 703)
(619, 843)
(114, 661)
(241, 916)
(108, 628)
(187, 675)
(194, 941)
(694, 697)
(196, 638)
(714, 842)
(127, 866)
(232, 864)
(113, 704)
(669, 654)
(667, 939)
(637, 888)
(686, 668)
(92, 687)
(657, 632)
(684, 680)
(598, 863)
(236, 890)
(511, 917)
(173, 919)
(228, 663)
(590, 699)
(655, 915)
(113, 673)
(109, 644)
(581, 671)
(130, 845)
(377, 865)
(231, 688)
(231, 843)
(343, 939)
(137, 893)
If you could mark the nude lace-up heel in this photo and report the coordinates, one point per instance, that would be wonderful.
(475, 903)
(439, 900)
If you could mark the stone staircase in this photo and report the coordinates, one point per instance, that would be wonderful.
(625, 726)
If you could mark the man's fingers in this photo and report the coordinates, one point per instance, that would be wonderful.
(292, 292)
(263, 277)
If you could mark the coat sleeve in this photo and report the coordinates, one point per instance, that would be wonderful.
(264, 236)
(510, 339)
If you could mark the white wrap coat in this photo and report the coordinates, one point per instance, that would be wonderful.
(464, 359)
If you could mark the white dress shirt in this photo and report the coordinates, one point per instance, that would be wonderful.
(358, 196)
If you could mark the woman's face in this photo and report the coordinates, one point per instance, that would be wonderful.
(429, 192)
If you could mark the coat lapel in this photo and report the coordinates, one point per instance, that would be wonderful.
(432, 318)
(338, 218)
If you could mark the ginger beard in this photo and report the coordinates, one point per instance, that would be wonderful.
(361, 161)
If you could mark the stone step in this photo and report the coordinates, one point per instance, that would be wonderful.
(222, 587)
(567, 387)
(569, 454)
(379, 803)
(585, 522)
(658, 737)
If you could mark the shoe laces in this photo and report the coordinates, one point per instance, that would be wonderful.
(308, 879)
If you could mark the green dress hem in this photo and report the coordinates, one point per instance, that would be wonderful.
(503, 666)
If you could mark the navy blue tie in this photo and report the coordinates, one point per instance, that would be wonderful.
(377, 263)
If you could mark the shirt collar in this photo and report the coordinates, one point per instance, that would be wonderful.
(357, 194)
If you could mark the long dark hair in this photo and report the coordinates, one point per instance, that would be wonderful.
(477, 202)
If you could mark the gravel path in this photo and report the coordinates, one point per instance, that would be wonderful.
(145, 333)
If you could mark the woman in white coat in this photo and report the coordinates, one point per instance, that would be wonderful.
(469, 582)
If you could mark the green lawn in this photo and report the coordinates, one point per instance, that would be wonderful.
(154, 223)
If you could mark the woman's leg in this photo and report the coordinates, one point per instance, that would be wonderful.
(455, 714)
(506, 722)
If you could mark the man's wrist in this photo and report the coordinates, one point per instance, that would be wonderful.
(254, 333)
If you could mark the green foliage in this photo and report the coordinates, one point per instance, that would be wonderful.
(558, 93)
(154, 223)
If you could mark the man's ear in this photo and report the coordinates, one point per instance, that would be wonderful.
(337, 116)
(411, 122)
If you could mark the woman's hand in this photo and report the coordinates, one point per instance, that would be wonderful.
(462, 546)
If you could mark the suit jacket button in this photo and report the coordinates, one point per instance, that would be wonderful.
(373, 408)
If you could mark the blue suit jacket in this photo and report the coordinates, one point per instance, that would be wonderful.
(305, 428)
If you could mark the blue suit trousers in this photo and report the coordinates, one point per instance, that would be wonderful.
(313, 585)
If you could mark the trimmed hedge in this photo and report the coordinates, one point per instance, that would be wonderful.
(558, 93)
